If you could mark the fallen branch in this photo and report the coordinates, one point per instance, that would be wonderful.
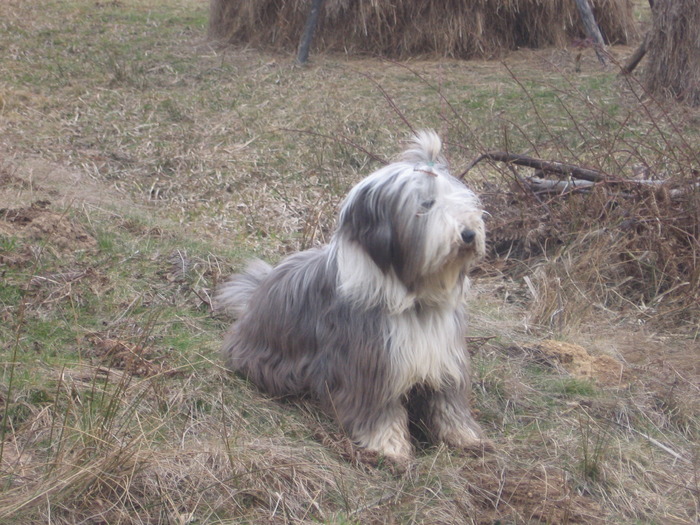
(572, 178)
(558, 168)
(540, 185)
(556, 186)
(658, 444)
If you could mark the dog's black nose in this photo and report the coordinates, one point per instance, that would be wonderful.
(468, 236)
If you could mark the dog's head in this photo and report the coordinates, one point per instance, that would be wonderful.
(415, 220)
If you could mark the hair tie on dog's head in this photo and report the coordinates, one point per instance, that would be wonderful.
(426, 168)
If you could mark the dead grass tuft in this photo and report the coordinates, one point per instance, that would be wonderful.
(134, 359)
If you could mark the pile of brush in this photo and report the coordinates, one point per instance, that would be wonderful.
(588, 240)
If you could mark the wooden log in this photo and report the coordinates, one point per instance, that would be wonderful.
(539, 185)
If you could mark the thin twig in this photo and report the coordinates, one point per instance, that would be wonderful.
(660, 445)
(391, 102)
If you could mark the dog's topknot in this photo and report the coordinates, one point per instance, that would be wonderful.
(426, 148)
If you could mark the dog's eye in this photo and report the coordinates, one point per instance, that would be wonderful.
(426, 205)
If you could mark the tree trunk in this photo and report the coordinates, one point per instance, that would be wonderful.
(673, 51)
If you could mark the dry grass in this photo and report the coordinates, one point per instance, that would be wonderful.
(165, 163)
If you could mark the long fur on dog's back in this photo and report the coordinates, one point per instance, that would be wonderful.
(234, 295)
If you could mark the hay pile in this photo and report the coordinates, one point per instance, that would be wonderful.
(404, 28)
(674, 51)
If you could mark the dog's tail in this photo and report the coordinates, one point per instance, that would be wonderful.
(426, 148)
(233, 296)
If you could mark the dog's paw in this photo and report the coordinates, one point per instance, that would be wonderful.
(469, 444)
(478, 448)
(473, 448)
(397, 465)
(358, 456)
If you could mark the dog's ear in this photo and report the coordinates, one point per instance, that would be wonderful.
(367, 223)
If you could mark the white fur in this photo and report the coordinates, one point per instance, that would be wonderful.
(425, 349)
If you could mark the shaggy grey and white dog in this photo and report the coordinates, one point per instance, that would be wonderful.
(373, 324)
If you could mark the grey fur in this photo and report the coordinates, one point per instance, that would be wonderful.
(373, 324)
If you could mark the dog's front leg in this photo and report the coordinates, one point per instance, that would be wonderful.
(384, 430)
(449, 420)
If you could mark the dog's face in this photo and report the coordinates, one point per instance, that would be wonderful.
(415, 220)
